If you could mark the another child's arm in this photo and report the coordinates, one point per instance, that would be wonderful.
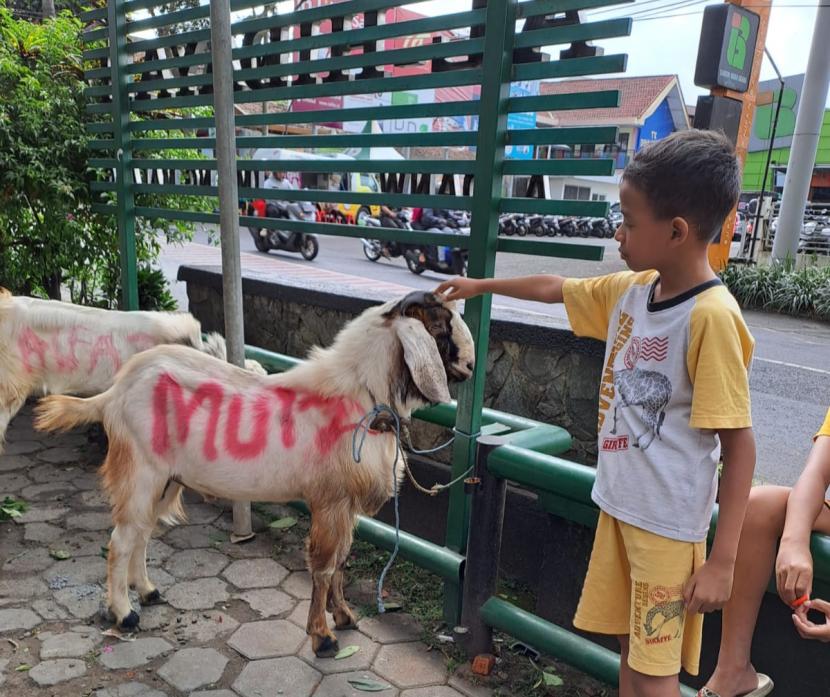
(794, 566)
(711, 586)
(542, 288)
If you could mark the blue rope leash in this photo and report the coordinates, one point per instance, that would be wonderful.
(363, 426)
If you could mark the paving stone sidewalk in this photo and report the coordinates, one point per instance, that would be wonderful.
(235, 618)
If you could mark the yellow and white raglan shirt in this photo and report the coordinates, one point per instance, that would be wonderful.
(675, 371)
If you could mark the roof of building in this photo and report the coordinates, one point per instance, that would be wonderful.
(639, 97)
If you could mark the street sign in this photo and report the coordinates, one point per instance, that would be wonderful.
(727, 46)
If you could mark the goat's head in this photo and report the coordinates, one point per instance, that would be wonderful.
(437, 345)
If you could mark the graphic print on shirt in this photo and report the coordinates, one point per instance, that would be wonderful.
(638, 387)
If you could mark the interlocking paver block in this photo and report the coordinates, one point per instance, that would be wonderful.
(268, 602)
(82, 601)
(410, 665)
(191, 668)
(255, 573)
(39, 513)
(213, 693)
(94, 499)
(42, 532)
(191, 536)
(131, 654)
(13, 462)
(299, 615)
(13, 482)
(59, 670)
(95, 520)
(61, 456)
(201, 513)
(196, 563)
(130, 689)
(338, 685)
(266, 678)
(13, 589)
(267, 639)
(31, 560)
(50, 473)
(17, 618)
(66, 645)
(22, 447)
(442, 691)
(362, 660)
(48, 609)
(392, 628)
(76, 571)
(201, 594)
(201, 627)
(298, 584)
(157, 552)
(56, 491)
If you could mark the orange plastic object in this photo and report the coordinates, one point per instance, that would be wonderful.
(483, 664)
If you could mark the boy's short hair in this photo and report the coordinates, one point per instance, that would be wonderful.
(690, 174)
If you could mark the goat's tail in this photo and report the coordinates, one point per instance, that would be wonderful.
(60, 413)
(213, 344)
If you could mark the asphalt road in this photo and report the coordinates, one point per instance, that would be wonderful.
(790, 381)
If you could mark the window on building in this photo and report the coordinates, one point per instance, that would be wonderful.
(576, 193)
(598, 197)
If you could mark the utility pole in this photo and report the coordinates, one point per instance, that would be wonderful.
(221, 45)
(805, 140)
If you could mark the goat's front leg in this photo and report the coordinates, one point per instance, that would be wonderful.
(330, 528)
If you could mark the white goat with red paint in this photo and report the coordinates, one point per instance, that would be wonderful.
(175, 418)
(54, 347)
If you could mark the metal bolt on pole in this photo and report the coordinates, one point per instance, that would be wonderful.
(221, 41)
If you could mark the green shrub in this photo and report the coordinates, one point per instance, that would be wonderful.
(154, 290)
(781, 288)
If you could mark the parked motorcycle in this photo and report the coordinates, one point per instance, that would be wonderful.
(266, 239)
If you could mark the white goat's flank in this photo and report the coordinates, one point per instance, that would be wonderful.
(54, 347)
(176, 417)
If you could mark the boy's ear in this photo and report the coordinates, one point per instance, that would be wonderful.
(679, 230)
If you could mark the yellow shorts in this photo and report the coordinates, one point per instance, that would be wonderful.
(634, 586)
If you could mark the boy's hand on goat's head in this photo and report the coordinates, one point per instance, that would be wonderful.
(709, 587)
(458, 288)
(809, 629)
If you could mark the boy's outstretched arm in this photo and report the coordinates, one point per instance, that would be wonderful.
(711, 586)
(542, 288)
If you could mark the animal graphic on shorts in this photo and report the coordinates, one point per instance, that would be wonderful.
(669, 610)
(644, 388)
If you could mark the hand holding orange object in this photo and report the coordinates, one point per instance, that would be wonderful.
(798, 602)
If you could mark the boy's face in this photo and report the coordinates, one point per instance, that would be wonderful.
(646, 242)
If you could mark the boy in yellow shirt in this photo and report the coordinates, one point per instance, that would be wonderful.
(674, 394)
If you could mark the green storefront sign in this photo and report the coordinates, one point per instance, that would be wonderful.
(727, 47)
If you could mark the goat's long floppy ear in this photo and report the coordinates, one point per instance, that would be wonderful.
(423, 360)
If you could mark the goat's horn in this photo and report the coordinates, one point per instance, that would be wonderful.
(418, 297)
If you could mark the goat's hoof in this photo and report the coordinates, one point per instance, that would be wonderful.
(152, 598)
(130, 621)
(327, 647)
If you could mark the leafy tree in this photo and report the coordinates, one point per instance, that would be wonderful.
(49, 236)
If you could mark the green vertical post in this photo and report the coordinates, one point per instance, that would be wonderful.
(125, 200)
(487, 194)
